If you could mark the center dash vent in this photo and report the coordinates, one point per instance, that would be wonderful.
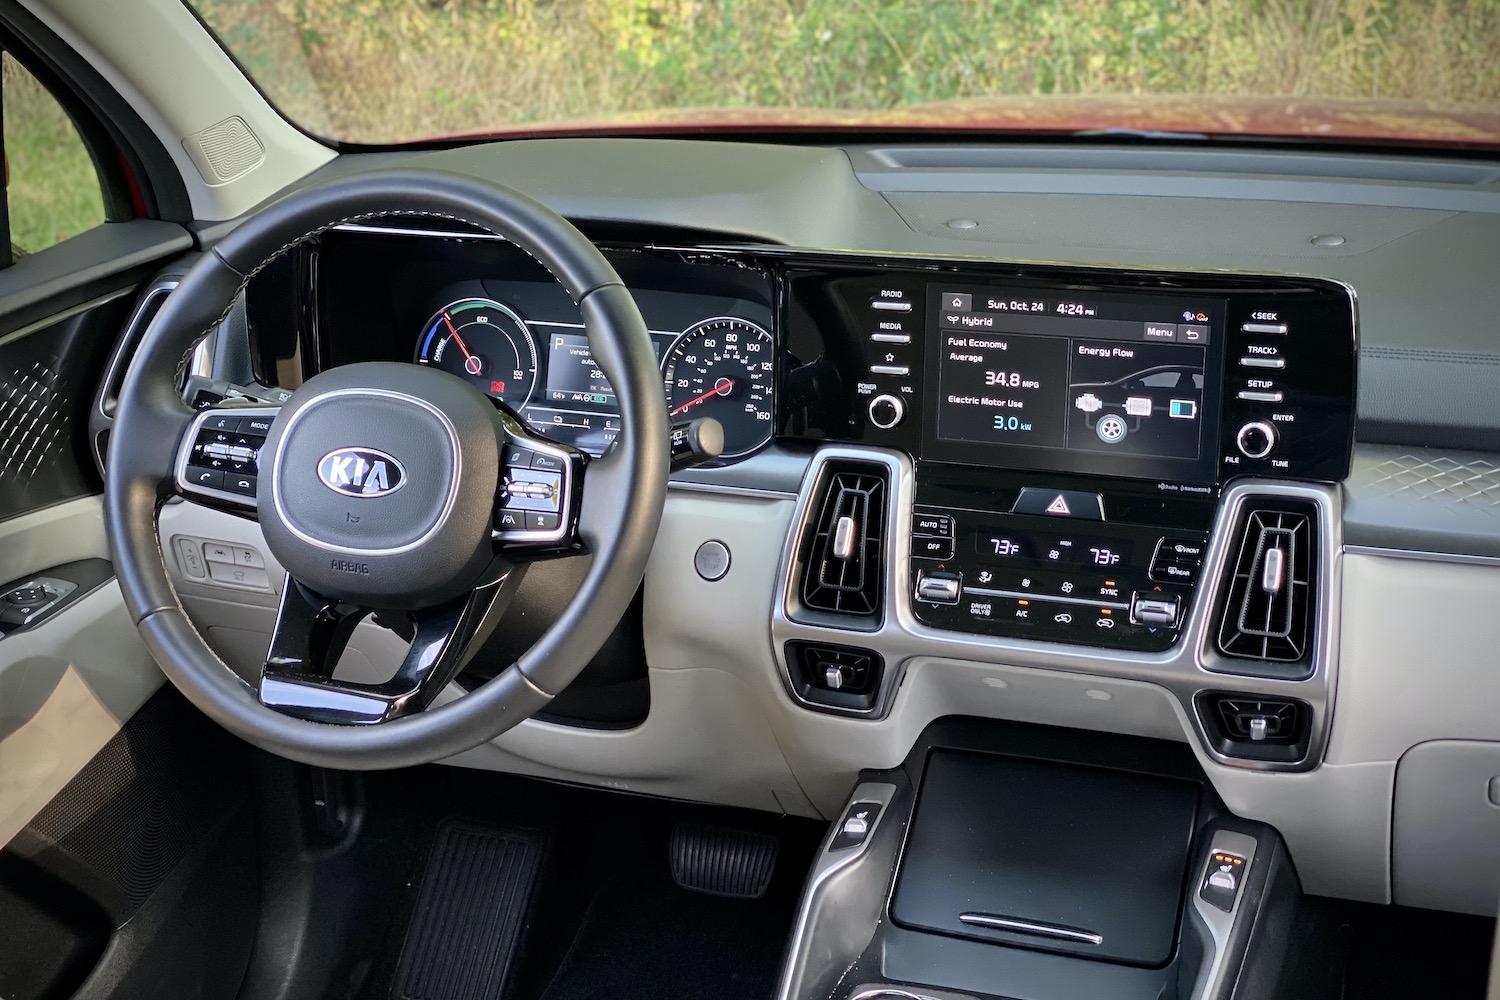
(844, 547)
(1267, 610)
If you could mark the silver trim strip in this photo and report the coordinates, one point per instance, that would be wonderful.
(1424, 555)
(129, 339)
(1031, 927)
(749, 492)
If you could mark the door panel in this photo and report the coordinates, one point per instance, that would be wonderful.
(69, 681)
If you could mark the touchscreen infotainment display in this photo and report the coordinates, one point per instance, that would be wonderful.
(1111, 383)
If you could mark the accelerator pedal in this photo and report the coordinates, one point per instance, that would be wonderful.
(723, 862)
(465, 934)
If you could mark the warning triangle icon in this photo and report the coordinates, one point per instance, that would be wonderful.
(1059, 506)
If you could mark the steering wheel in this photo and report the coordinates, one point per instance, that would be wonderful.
(388, 487)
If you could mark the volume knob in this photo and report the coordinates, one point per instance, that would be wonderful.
(1256, 439)
(887, 412)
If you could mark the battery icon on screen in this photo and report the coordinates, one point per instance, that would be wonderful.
(1184, 409)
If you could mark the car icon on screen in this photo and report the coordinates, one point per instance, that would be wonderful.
(1115, 409)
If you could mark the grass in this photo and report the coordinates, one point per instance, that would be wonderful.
(383, 70)
(52, 187)
(389, 70)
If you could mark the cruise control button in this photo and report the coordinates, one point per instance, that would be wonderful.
(510, 520)
(536, 521)
(218, 552)
(1059, 503)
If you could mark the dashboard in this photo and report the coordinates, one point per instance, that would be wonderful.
(1077, 303)
(1071, 430)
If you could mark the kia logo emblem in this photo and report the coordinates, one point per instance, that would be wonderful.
(361, 472)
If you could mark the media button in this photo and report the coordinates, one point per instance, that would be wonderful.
(1059, 503)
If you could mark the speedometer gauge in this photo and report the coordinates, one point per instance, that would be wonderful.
(724, 368)
(486, 343)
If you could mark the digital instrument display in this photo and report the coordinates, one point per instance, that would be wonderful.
(1119, 384)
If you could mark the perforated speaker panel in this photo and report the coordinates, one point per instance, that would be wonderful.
(225, 150)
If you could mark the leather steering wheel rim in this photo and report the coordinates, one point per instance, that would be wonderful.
(620, 524)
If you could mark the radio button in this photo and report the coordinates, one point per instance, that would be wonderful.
(1059, 503)
(939, 588)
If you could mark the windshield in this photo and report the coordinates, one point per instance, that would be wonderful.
(389, 71)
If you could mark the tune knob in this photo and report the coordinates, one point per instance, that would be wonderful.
(1256, 439)
(887, 412)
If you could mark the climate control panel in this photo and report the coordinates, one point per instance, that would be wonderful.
(1062, 573)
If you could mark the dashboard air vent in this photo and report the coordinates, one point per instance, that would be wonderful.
(842, 571)
(1267, 610)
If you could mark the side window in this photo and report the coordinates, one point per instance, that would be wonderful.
(52, 188)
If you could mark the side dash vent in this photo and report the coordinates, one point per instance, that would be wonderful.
(1267, 614)
(844, 545)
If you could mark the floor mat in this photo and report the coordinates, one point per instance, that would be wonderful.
(646, 939)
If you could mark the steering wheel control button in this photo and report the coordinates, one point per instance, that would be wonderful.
(245, 486)
(190, 558)
(939, 588)
(1154, 610)
(510, 520)
(547, 463)
(239, 576)
(1222, 878)
(712, 560)
(859, 819)
(1059, 503)
(887, 412)
(540, 521)
(1256, 439)
(219, 552)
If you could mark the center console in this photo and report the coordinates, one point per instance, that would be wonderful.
(1007, 860)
